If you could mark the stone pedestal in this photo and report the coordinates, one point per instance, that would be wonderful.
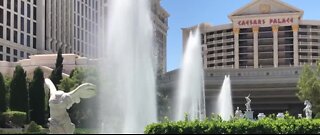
(248, 115)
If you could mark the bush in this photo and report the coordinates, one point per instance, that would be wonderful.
(15, 118)
(35, 128)
(84, 131)
(268, 125)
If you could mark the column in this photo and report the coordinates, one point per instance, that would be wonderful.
(255, 31)
(236, 47)
(275, 45)
(295, 29)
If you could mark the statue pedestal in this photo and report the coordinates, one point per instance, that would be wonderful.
(248, 115)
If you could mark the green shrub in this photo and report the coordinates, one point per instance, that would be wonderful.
(268, 125)
(35, 128)
(84, 131)
(17, 118)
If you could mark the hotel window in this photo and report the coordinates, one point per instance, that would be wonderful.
(22, 24)
(22, 39)
(8, 34)
(28, 54)
(9, 4)
(34, 2)
(22, 8)
(34, 43)
(34, 13)
(78, 20)
(15, 5)
(8, 18)
(28, 26)
(1, 14)
(28, 10)
(82, 23)
(78, 7)
(1, 2)
(8, 50)
(15, 59)
(34, 28)
(15, 20)
(1, 48)
(15, 52)
(1, 57)
(82, 12)
(7, 58)
(1, 31)
(28, 40)
(21, 54)
(15, 36)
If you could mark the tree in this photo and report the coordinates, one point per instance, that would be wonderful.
(18, 91)
(3, 93)
(67, 84)
(37, 97)
(56, 74)
(309, 86)
(84, 114)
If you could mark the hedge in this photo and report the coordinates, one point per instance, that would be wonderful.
(268, 125)
(17, 118)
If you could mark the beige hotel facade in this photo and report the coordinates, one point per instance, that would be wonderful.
(263, 50)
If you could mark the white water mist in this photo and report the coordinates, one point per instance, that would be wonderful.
(191, 94)
(128, 92)
(224, 104)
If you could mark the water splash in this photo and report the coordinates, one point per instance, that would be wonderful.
(127, 71)
(224, 104)
(191, 94)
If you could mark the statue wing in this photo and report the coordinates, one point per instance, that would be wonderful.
(86, 90)
(51, 86)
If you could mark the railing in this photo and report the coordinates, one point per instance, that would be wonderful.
(315, 30)
(308, 50)
(304, 36)
(315, 57)
(228, 60)
(304, 57)
(228, 47)
(230, 53)
(304, 30)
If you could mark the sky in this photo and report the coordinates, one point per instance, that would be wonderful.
(186, 13)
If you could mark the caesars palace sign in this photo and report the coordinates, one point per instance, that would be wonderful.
(264, 21)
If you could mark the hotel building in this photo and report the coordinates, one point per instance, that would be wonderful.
(29, 27)
(263, 50)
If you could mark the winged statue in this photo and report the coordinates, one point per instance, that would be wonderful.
(60, 101)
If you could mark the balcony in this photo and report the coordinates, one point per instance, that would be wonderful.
(304, 30)
(228, 60)
(314, 57)
(229, 53)
(308, 50)
(304, 57)
(304, 36)
(315, 30)
(228, 47)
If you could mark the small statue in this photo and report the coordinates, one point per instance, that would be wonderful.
(59, 102)
(238, 113)
(307, 109)
(248, 108)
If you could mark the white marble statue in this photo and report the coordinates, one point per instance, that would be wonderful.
(307, 109)
(248, 107)
(59, 102)
(238, 113)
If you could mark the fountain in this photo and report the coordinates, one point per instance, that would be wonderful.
(190, 94)
(224, 104)
(127, 93)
